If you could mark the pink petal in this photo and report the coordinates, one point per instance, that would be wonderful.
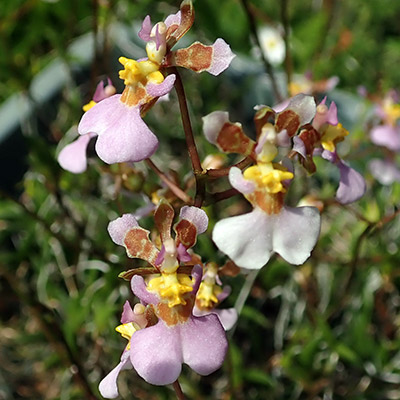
(386, 135)
(127, 313)
(204, 343)
(173, 19)
(108, 386)
(145, 31)
(352, 184)
(221, 58)
(296, 232)
(213, 123)
(118, 228)
(162, 88)
(386, 172)
(103, 91)
(239, 183)
(123, 136)
(139, 289)
(156, 353)
(196, 216)
(73, 156)
(227, 317)
(246, 239)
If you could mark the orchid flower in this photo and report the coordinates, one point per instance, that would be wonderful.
(211, 294)
(387, 134)
(158, 350)
(321, 138)
(122, 134)
(73, 156)
(250, 239)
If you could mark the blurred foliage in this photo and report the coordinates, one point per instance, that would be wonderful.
(326, 330)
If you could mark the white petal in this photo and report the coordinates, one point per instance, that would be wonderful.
(296, 232)
(246, 239)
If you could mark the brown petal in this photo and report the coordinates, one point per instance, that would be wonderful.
(232, 139)
(288, 120)
(175, 32)
(138, 245)
(186, 233)
(163, 218)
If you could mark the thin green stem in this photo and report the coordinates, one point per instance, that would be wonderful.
(244, 294)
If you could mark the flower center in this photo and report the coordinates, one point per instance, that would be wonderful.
(332, 135)
(171, 287)
(206, 297)
(268, 176)
(136, 72)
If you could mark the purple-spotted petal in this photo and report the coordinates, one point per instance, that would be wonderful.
(296, 232)
(204, 343)
(246, 239)
(352, 185)
(156, 353)
(213, 123)
(73, 157)
(196, 216)
(386, 172)
(221, 58)
(145, 31)
(238, 182)
(386, 135)
(108, 386)
(118, 228)
(161, 89)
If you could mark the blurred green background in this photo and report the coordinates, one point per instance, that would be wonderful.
(326, 330)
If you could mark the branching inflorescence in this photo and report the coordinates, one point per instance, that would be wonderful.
(176, 320)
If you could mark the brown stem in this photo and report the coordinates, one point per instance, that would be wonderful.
(288, 58)
(187, 126)
(190, 142)
(178, 390)
(175, 189)
(226, 194)
(218, 173)
(267, 65)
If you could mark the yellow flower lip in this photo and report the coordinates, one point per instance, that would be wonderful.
(171, 287)
(268, 177)
(333, 135)
(89, 105)
(143, 72)
(126, 330)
